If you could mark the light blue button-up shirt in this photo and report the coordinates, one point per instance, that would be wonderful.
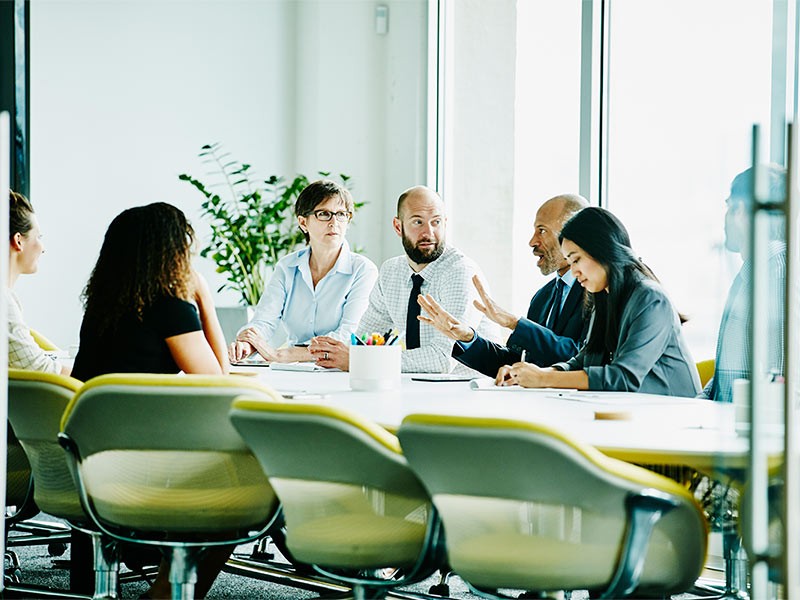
(568, 279)
(333, 308)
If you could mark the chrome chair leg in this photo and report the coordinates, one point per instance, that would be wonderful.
(366, 592)
(735, 565)
(106, 567)
(735, 559)
(183, 572)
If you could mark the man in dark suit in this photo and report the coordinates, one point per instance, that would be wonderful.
(555, 325)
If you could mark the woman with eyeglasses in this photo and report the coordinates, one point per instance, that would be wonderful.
(322, 289)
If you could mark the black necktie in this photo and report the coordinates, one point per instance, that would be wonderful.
(412, 323)
(555, 306)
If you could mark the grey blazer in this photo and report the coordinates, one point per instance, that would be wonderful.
(651, 356)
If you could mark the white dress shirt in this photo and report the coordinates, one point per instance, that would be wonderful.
(23, 351)
(449, 280)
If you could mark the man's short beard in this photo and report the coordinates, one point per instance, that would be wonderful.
(421, 256)
(550, 265)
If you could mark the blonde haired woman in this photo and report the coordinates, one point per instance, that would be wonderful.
(25, 249)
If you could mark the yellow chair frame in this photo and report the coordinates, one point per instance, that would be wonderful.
(157, 462)
(36, 403)
(351, 503)
(526, 507)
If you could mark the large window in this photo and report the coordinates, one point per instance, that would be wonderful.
(646, 106)
(547, 121)
(687, 80)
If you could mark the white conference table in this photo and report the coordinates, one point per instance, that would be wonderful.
(640, 428)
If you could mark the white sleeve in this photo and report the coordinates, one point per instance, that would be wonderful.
(23, 351)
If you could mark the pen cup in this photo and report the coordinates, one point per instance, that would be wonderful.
(741, 403)
(374, 368)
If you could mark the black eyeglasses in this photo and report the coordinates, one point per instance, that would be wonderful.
(343, 216)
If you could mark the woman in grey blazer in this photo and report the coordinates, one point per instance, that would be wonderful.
(635, 342)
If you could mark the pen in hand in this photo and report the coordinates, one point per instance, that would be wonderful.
(522, 358)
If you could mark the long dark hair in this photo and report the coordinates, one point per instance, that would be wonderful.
(602, 236)
(146, 254)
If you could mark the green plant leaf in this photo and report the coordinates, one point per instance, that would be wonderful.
(253, 224)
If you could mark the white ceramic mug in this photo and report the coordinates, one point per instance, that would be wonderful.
(375, 368)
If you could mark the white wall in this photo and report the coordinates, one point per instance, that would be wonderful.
(124, 93)
(482, 200)
(364, 113)
(516, 98)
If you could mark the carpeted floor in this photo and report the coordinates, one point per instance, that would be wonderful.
(39, 568)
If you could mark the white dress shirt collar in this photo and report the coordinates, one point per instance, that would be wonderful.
(567, 279)
(344, 264)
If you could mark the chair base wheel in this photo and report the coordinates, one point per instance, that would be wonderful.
(11, 570)
(263, 556)
(12, 576)
(11, 561)
(56, 548)
(440, 589)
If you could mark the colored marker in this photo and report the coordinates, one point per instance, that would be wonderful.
(395, 337)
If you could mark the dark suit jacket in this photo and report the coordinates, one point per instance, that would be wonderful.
(651, 356)
(542, 346)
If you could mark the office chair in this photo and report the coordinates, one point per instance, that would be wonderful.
(36, 402)
(19, 499)
(705, 368)
(43, 343)
(525, 507)
(775, 527)
(157, 462)
(19, 481)
(352, 506)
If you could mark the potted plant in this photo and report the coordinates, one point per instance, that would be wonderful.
(252, 221)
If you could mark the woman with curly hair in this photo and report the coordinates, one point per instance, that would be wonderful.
(145, 309)
(635, 342)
